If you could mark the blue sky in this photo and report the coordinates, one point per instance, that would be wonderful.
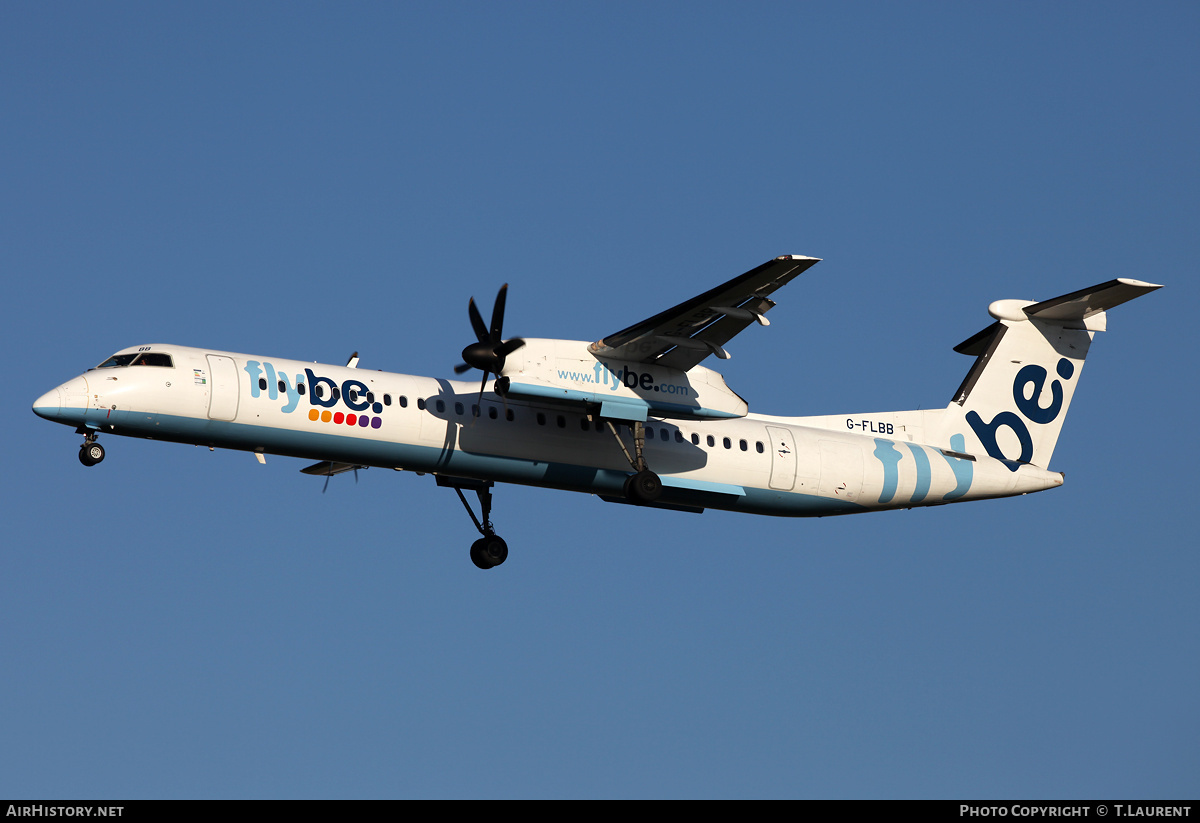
(307, 180)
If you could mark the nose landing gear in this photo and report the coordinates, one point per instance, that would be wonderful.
(490, 550)
(91, 452)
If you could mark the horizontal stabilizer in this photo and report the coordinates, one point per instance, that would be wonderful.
(1080, 305)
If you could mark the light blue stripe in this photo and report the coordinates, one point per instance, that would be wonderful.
(365, 451)
(924, 474)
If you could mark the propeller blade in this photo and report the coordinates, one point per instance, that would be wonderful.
(477, 412)
(498, 314)
(481, 331)
(463, 368)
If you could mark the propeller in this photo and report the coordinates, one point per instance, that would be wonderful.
(490, 350)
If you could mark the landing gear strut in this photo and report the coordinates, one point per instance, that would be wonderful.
(490, 550)
(91, 452)
(643, 486)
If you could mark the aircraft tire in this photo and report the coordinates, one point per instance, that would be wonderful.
(91, 453)
(477, 555)
(643, 487)
(489, 552)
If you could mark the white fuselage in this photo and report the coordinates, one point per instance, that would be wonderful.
(765, 465)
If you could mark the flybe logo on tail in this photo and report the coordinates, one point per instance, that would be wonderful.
(1031, 375)
(323, 392)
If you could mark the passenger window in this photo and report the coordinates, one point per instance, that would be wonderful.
(492, 413)
(262, 383)
(743, 445)
(319, 391)
(664, 435)
(458, 408)
(562, 422)
(727, 443)
(541, 418)
(695, 439)
(337, 393)
(420, 403)
(711, 440)
(508, 415)
(300, 388)
(441, 405)
(282, 387)
(759, 446)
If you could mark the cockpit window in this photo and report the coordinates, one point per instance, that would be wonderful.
(117, 360)
(150, 358)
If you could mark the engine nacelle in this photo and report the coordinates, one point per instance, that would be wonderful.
(566, 371)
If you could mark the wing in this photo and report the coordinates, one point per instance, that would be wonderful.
(683, 336)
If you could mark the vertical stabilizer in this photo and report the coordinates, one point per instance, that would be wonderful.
(1014, 399)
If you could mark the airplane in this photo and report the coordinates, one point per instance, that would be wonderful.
(632, 418)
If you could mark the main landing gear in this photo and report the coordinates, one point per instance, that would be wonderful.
(643, 486)
(490, 550)
(91, 452)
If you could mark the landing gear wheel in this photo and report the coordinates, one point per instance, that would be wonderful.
(643, 487)
(91, 453)
(488, 552)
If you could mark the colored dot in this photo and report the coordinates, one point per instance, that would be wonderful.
(338, 417)
(326, 416)
(376, 422)
(351, 420)
(363, 420)
(377, 408)
(1065, 369)
(313, 414)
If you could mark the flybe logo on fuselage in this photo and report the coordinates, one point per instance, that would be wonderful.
(323, 393)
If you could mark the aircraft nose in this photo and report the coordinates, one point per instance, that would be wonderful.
(65, 404)
(48, 404)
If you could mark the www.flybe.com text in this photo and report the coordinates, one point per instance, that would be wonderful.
(605, 375)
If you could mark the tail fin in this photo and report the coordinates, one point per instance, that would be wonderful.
(1012, 403)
